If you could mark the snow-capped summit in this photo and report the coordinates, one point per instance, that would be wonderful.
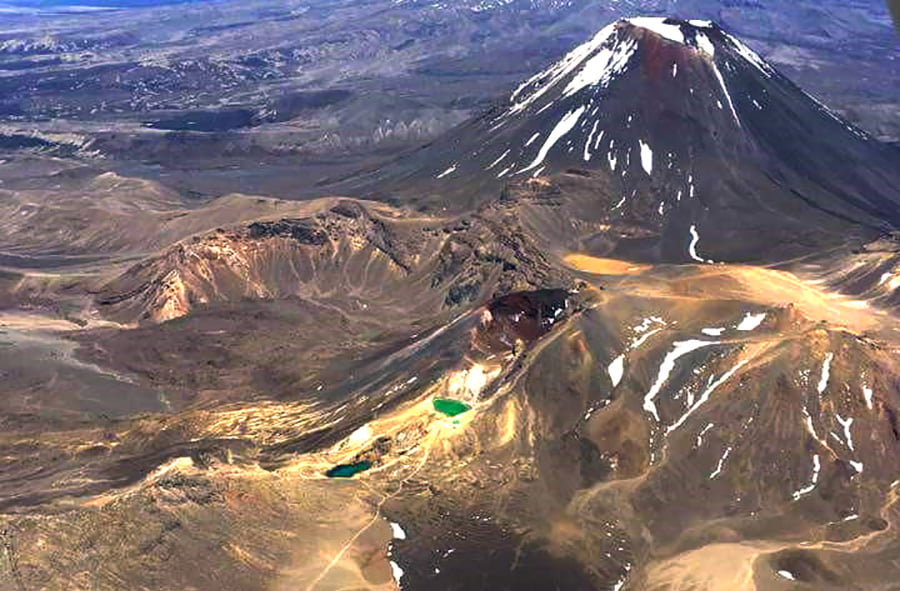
(598, 61)
(641, 57)
(656, 45)
(687, 132)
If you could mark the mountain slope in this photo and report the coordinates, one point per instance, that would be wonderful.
(689, 130)
(342, 394)
(344, 252)
(666, 427)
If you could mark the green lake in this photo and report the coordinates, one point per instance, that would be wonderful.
(348, 470)
(451, 408)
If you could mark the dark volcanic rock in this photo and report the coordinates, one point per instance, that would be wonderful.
(303, 231)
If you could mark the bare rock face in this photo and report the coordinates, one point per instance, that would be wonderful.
(340, 251)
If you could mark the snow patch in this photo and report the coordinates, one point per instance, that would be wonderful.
(807, 418)
(450, 170)
(563, 127)
(398, 532)
(817, 466)
(646, 157)
(497, 161)
(705, 395)
(692, 247)
(587, 144)
(721, 463)
(360, 436)
(396, 572)
(751, 56)
(646, 323)
(680, 349)
(725, 90)
(846, 424)
(602, 67)
(826, 373)
(616, 370)
(644, 338)
(660, 27)
(868, 394)
(705, 45)
(751, 321)
(550, 77)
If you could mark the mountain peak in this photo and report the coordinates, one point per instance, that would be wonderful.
(687, 144)
(670, 28)
(609, 53)
(702, 35)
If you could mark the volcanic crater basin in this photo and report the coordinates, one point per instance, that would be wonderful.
(591, 476)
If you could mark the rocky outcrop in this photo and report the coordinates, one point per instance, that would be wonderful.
(377, 255)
